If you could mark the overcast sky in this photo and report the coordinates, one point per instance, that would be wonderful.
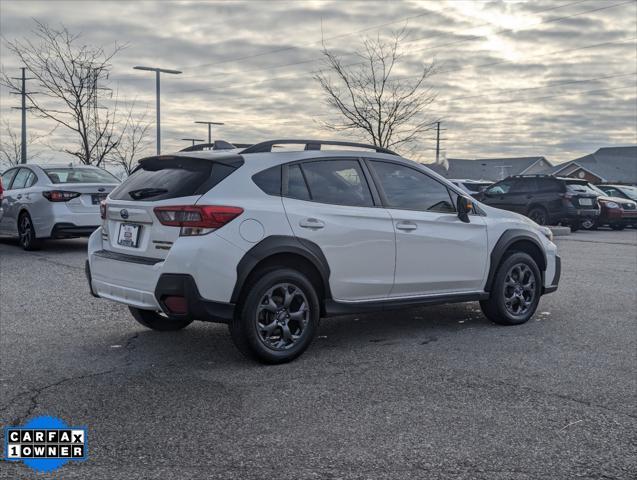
(516, 78)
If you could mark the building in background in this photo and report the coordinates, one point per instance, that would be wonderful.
(606, 165)
(492, 169)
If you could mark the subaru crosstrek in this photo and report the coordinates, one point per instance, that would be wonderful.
(269, 241)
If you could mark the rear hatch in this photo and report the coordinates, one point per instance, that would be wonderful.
(581, 195)
(131, 225)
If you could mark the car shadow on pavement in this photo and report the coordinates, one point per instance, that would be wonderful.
(202, 345)
(50, 246)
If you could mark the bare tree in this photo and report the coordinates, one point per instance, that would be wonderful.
(11, 145)
(372, 100)
(73, 85)
(133, 140)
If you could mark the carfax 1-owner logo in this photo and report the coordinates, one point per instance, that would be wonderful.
(45, 443)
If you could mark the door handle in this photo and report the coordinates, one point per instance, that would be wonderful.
(311, 223)
(19, 196)
(529, 196)
(406, 226)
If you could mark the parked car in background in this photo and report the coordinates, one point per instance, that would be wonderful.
(269, 241)
(472, 187)
(545, 199)
(620, 191)
(51, 201)
(616, 212)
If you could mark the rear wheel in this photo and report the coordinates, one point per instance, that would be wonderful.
(277, 320)
(515, 292)
(539, 215)
(26, 233)
(158, 321)
(588, 223)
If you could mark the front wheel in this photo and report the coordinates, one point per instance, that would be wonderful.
(515, 292)
(277, 320)
(26, 233)
(588, 223)
(617, 227)
(158, 321)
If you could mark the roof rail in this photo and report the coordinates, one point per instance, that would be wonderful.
(311, 145)
(216, 145)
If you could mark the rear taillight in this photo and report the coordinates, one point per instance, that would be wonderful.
(60, 195)
(103, 209)
(1, 190)
(197, 219)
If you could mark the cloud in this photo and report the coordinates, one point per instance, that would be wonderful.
(513, 78)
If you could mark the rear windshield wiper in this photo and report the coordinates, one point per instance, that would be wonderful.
(146, 193)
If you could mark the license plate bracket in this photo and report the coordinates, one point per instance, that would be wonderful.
(129, 235)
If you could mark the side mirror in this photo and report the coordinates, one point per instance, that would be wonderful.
(464, 207)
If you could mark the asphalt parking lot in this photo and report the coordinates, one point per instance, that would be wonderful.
(435, 392)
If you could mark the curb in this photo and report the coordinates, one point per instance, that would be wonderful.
(560, 231)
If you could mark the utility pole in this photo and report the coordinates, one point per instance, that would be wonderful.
(157, 93)
(193, 140)
(209, 128)
(23, 93)
(437, 142)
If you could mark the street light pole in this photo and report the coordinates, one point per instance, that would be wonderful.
(209, 128)
(158, 91)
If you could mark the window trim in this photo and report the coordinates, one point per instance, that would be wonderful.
(383, 195)
(359, 160)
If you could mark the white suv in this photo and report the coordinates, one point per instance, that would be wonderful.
(270, 241)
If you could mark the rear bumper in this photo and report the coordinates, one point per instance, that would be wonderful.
(140, 282)
(61, 230)
(198, 308)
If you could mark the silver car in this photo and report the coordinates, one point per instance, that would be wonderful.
(47, 201)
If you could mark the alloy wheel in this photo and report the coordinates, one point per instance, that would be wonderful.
(282, 316)
(25, 231)
(519, 289)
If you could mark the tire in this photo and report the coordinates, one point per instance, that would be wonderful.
(539, 215)
(26, 233)
(264, 327)
(575, 226)
(508, 285)
(588, 223)
(617, 227)
(158, 321)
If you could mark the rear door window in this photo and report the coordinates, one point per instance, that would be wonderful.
(339, 182)
(164, 178)
(7, 177)
(20, 179)
(297, 188)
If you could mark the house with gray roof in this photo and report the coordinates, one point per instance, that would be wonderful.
(492, 169)
(606, 165)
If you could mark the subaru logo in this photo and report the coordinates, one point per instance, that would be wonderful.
(123, 213)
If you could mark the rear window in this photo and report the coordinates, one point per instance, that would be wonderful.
(581, 188)
(160, 179)
(79, 175)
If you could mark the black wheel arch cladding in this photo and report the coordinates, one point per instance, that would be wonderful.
(281, 244)
(507, 240)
